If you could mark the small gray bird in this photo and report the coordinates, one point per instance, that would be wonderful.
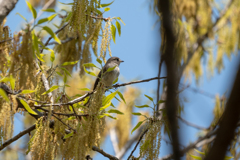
(109, 77)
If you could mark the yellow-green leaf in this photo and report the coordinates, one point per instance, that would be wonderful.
(115, 111)
(105, 5)
(202, 153)
(113, 30)
(22, 16)
(137, 114)
(108, 98)
(35, 46)
(27, 107)
(68, 135)
(88, 72)
(66, 71)
(118, 28)
(99, 61)
(150, 98)
(143, 106)
(4, 95)
(105, 106)
(108, 115)
(69, 63)
(106, 9)
(32, 9)
(115, 81)
(120, 20)
(54, 36)
(12, 82)
(50, 90)
(137, 126)
(196, 157)
(161, 101)
(111, 69)
(121, 96)
(40, 21)
(89, 65)
(85, 89)
(50, 18)
(27, 91)
(228, 157)
(49, 10)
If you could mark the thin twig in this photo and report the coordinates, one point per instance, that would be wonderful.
(64, 123)
(191, 124)
(52, 72)
(137, 143)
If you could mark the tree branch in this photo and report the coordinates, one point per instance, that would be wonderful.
(8, 142)
(94, 148)
(6, 6)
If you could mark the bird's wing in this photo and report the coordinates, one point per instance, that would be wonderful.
(99, 76)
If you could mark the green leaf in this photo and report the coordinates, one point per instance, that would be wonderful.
(67, 85)
(113, 29)
(85, 89)
(118, 28)
(27, 91)
(21, 16)
(150, 98)
(12, 82)
(50, 90)
(52, 56)
(137, 114)
(65, 77)
(59, 73)
(88, 72)
(115, 111)
(35, 46)
(53, 35)
(161, 101)
(115, 81)
(40, 21)
(143, 106)
(68, 16)
(32, 9)
(108, 115)
(65, 3)
(106, 9)
(120, 20)
(111, 69)
(4, 95)
(137, 126)
(99, 61)
(108, 98)
(27, 107)
(105, 5)
(50, 18)
(66, 71)
(68, 135)
(89, 65)
(195, 157)
(121, 96)
(49, 10)
(228, 157)
(105, 106)
(202, 153)
(69, 63)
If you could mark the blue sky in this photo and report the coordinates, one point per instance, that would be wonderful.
(139, 46)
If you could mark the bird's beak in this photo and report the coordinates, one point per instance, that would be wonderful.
(121, 61)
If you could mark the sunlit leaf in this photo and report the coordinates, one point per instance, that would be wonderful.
(53, 35)
(69, 63)
(32, 9)
(161, 101)
(65, 3)
(137, 126)
(137, 114)
(115, 81)
(121, 96)
(120, 20)
(27, 107)
(85, 89)
(27, 91)
(89, 65)
(43, 20)
(150, 98)
(115, 111)
(66, 71)
(68, 135)
(99, 61)
(4, 95)
(111, 69)
(50, 90)
(50, 18)
(35, 46)
(195, 157)
(88, 72)
(118, 28)
(21, 16)
(105, 106)
(113, 30)
(143, 106)
(228, 157)
(108, 98)
(105, 5)
(202, 153)
(12, 82)
(106, 9)
(49, 10)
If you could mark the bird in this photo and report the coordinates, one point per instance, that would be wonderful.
(107, 78)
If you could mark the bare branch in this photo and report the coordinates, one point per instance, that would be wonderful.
(191, 124)
(137, 143)
(94, 148)
(113, 137)
(8, 142)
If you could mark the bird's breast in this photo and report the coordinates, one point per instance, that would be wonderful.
(110, 77)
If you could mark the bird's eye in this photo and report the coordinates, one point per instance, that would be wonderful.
(117, 59)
